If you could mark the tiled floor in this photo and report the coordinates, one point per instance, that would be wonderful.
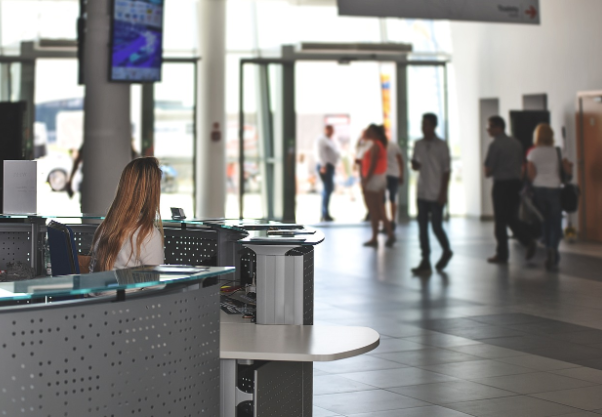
(477, 340)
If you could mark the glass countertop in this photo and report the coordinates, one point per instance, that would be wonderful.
(101, 282)
(283, 236)
(235, 224)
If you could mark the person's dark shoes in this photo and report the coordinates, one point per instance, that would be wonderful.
(497, 260)
(371, 244)
(327, 219)
(423, 268)
(445, 258)
(391, 241)
(531, 249)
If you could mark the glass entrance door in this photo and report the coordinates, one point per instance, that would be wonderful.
(266, 146)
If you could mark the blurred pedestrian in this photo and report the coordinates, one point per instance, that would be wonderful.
(328, 155)
(395, 173)
(432, 160)
(545, 169)
(504, 163)
(374, 182)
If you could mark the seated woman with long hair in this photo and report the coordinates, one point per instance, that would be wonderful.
(132, 232)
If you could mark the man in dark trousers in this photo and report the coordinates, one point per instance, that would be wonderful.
(432, 160)
(504, 164)
(328, 155)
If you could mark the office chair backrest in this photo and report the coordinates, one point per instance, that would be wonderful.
(63, 254)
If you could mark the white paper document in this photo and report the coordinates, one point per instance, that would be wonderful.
(20, 195)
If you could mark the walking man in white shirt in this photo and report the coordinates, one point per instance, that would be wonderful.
(432, 159)
(328, 155)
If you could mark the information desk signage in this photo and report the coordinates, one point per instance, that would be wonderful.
(20, 187)
(501, 11)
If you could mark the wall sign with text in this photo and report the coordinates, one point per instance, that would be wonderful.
(501, 11)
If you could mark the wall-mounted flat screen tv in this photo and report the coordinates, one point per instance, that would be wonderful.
(136, 41)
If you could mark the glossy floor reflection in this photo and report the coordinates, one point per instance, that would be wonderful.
(477, 340)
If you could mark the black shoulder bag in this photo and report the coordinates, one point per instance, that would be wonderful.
(569, 193)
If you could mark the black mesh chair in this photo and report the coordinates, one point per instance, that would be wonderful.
(63, 255)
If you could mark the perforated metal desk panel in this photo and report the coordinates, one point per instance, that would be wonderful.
(155, 353)
(189, 242)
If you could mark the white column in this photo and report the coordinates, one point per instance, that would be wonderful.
(107, 131)
(211, 118)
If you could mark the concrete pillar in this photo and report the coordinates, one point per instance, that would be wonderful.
(211, 118)
(107, 122)
(403, 211)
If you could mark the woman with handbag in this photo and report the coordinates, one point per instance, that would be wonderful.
(547, 170)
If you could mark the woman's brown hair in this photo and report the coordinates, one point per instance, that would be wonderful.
(377, 132)
(543, 135)
(135, 208)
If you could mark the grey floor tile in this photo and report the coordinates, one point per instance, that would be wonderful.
(585, 374)
(428, 411)
(429, 311)
(321, 412)
(392, 378)
(583, 398)
(365, 401)
(356, 364)
(427, 356)
(508, 319)
(451, 392)
(483, 332)
(534, 383)
(590, 338)
(595, 363)
(550, 327)
(441, 325)
(441, 340)
(512, 407)
(538, 362)
(335, 384)
(477, 369)
(397, 345)
(318, 372)
(487, 351)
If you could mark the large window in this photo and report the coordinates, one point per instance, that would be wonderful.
(174, 136)
(58, 133)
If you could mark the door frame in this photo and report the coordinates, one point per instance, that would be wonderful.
(580, 145)
(289, 145)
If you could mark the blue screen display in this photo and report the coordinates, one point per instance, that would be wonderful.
(137, 40)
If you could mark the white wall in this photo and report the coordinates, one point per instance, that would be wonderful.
(560, 58)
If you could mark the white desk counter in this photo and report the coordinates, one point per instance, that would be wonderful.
(295, 343)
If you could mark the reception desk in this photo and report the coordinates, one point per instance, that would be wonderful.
(140, 341)
(142, 352)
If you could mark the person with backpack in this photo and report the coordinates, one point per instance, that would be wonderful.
(546, 170)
